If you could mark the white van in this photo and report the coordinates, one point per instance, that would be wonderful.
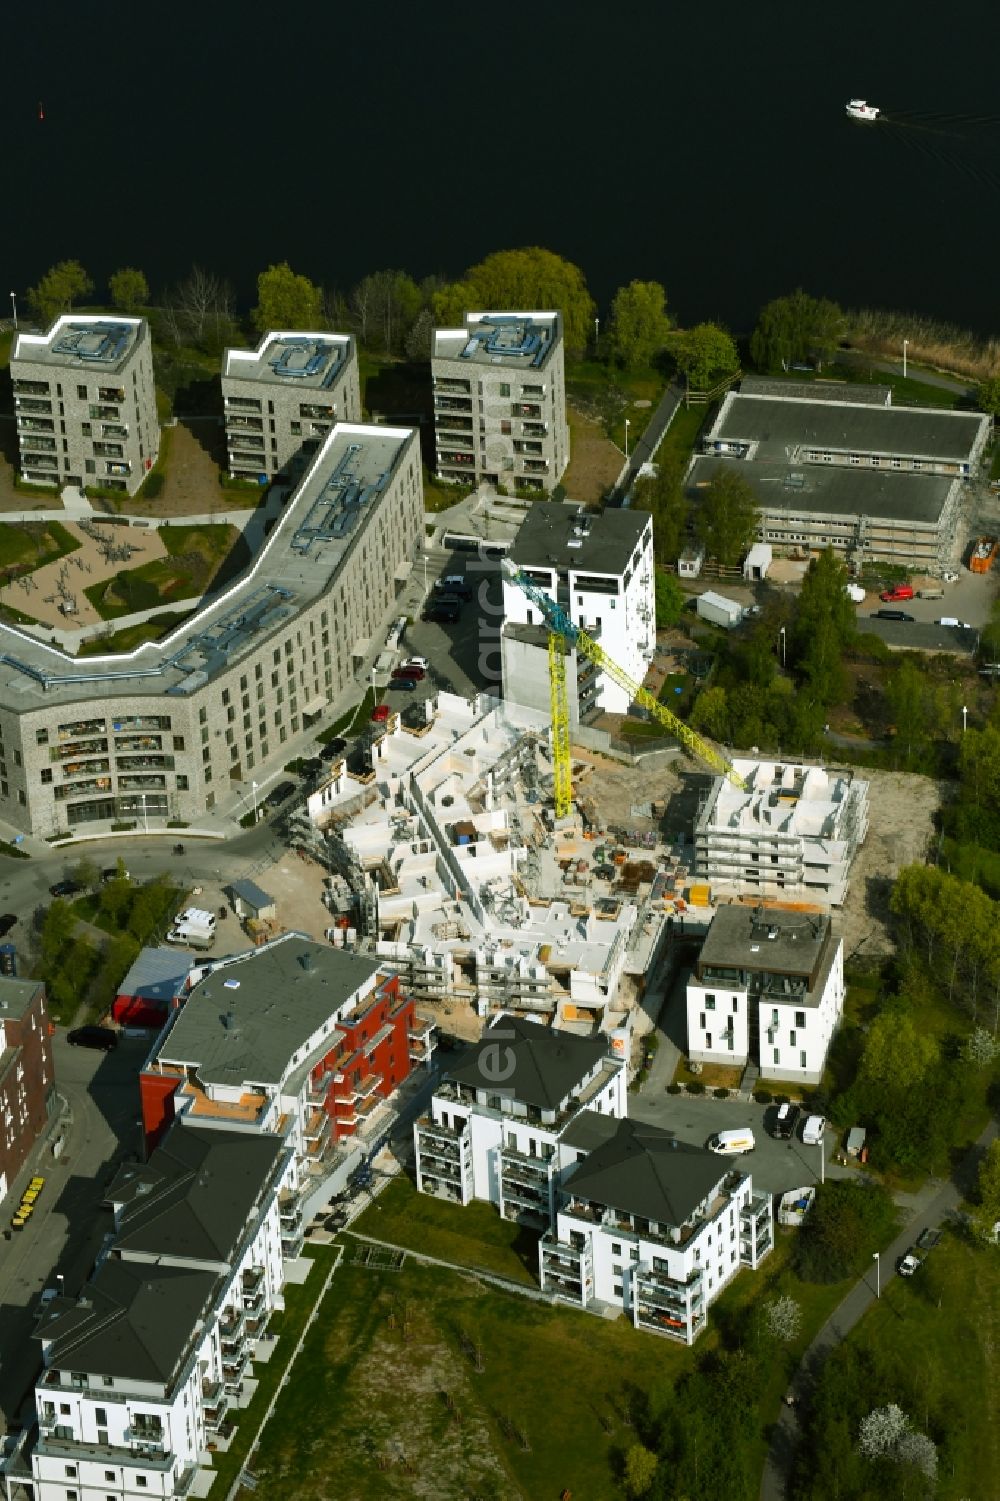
(812, 1131)
(732, 1143)
(195, 917)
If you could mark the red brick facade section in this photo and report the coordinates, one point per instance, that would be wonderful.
(372, 1052)
(26, 1082)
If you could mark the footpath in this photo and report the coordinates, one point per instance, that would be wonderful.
(928, 1207)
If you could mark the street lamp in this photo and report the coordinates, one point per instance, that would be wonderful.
(878, 1269)
(628, 421)
(13, 303)
(965, 718)
(597, 335)
(253, 789)
(145, 820)
(781, 635)
(905, 344)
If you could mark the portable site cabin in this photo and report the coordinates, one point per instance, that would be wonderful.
(250, 901)
(719, 610)
(757, 562)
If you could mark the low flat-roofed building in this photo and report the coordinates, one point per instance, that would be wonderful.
(151, 733)
(27, 1079)
(500, 401)
(600, 569)
(793, 833)
(281, 399)
(768, 989)
(85, 402)
(873, 481)
(154, 984)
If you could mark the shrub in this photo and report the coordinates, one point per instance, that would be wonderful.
(13, 850)
(721, 1093)
(762, 1096)
(673, 1089)
(781, 1099)
(153, 486)
(848, 1220)
(122, 828)
(696, 1087)
(177, 823)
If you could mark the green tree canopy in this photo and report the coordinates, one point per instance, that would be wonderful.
(662, 495)
(705, 354)
(639, 323)
(987, 1213)
(128, 288)
(61, 286)
(897, 1054)
(531, 279)
(384, 306)
(286, 300)
(710, 714)
(847, 1223)
(823, 626)
(910, 704)
(793, 329)
(726, 516)
(988, 396)
(670, 599)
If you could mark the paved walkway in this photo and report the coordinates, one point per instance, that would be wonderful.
(928, 1207)
(646, 446)
(913, 372)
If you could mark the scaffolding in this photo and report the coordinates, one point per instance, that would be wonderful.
(562, 764)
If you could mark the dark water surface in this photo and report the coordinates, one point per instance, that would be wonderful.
(704, 145)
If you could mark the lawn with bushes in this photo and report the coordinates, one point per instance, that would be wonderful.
(198, 556)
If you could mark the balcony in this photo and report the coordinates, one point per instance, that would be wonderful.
(452, 404)
(36, 444)
(111, 393)
(529, 409)
(453, 458)
(143, 1439)
(108, 450)
(34, 424)
(245, 403)
(452, 383)
(318, 1126)
(254, 424)
(104, 414)
(244, 441)
(232, 1326)
(23, 404)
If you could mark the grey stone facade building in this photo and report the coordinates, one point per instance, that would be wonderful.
(161, 731)
(85, 402)
(500, 401)
(282, 398)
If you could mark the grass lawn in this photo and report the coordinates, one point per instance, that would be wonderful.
(943, 1326)
(713, 1075)
(995, 463)
(27, 545)
(350, 723)
(475, 1236)
(683, 431)
(439, 496)
(89, 909)
(196, 556)
(134, 635)
(601, 389)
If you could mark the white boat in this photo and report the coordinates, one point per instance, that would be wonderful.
(857, 109)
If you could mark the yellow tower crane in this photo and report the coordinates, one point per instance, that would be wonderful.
(563, 633)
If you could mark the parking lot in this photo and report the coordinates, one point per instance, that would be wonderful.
(464, 656)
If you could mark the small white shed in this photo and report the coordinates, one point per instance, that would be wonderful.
(690, 562)
(757, 562)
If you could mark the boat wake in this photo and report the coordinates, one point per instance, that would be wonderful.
(962, 143)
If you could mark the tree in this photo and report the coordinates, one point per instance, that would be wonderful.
(726, 518)
(286, 301)
(662, 495)
(986, 1216)
(988, 396)
(640, 1469)
(385, 304)
(980, 1049)
(200, 311)
(639, 323)
(906, 694)
(783, 1319)
(419, 341)
(848, 1220)
(704, 353)
(882, 1430)
(61, 286)
(823, 627)
(57, 930)
(710, 714)
(670, 599)
(792, 329)
(522, 280)
(897, 1054)
(86, 873)
(128, 288)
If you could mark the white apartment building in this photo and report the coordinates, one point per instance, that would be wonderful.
(500, 401)
(599, 569)
(85, 402)
(651, 1225)
(143, 1367)
(793, 833)
(499, 1117)
(281, 399)
(768, 989)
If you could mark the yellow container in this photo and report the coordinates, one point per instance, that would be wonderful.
(700, 895)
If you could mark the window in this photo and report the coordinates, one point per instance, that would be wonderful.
(46, 774)
(504, 388)
(110, 1475)
(802, 1059)
(71, 1472)
(81, 392)
(141, 1480)
(41, 737)
(182, 784)
(701, 1021)
(178, 742)
(619, 1290)
(101, 1419)
(777, 1055)
(616, 1249)
(710, 1003)
(800, 1019)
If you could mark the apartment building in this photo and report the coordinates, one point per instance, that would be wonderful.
(295, 1038)
(26, 1074)
(767, 989)
(875, 482)
(651, 1225)
(85, 402)
(500, 1115)
(158, 732)
(500, 401)
(144, 1368)
(281, 399)
(791, 835)
(599, 569)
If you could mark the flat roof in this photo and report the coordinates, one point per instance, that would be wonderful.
(80, 341)
(295, 566)
(300, 361)
(244, 1022)
(556, 535)
(765, 938)
(817, 390)
(158, 974)
(778, 424)
(16, 996)
(919, 635)
(514, 341)
(832, 489)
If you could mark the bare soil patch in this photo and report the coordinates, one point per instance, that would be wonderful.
(595, 463)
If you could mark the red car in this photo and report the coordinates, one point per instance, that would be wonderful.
(899, 591)
(416, 673)
(380, 713)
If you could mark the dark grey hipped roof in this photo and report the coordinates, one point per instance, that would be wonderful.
(133, 1321)
(645, 1171)
(196, 1195)
(533, 1063)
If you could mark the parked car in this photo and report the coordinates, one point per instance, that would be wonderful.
(112, 873)
(417, 673)
(918, 1253)
(7, 922)
(812, 1131)
(403, 685)
(891, 615)
(963, 625)
(453, 583)
(279, 794)
(785, 1121)
(380, 713)
(420, 662)
(334, 748)
(93, 1037)
(444, 613)
(898, 591)
(733, 1143)
(65, 888)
